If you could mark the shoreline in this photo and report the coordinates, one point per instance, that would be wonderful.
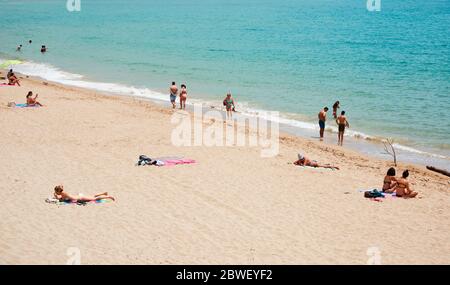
(231, 207)
(367, 145)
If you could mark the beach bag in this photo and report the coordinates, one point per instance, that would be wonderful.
(373, 194)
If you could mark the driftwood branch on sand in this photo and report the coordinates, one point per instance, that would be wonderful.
(441, 171)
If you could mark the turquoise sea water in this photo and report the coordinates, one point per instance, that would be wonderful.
(390, 69)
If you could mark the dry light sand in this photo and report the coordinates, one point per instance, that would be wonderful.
(233, 207)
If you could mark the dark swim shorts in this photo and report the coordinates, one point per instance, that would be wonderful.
(322, 124)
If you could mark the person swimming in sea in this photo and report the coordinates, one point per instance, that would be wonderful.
(229, 104)
(183, 97)
(173, 94)
(63, 196)
(19, 47)
(342, 124)
(43, 49)
(32, 101)
(304, 161)
(390, 181)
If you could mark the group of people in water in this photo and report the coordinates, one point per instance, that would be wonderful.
(43, 47)
(341, 121)
(228, 102)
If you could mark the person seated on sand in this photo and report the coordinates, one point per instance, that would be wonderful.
(13, 80)
(32, 101)
(66, 197)
(304, 161)
(389, 181)
(402, 189)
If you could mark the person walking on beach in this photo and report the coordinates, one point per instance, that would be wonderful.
(228, 102)
(322, 118)
(32, 101)
(335, 108)
(183, 97)
(173, 94)
(342, 124)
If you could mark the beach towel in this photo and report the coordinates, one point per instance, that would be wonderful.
(145, 160)
(25, 106)
(57, 202)
(315, 168)
(172, 162)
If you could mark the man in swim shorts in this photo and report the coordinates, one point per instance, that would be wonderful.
(173, 94)
(342, 124)
(322, 118)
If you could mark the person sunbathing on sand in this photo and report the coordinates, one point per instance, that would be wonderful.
(389, 181)
(304, 161)
(13, 80)
(32, 101)
(403, 189)
(66, 197)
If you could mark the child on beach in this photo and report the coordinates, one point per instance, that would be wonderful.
(228, 102)
(183, 97)
(402, 189)
(342, 124)
(389, 181)
(32, 101)
(304, 161)
(66, 197)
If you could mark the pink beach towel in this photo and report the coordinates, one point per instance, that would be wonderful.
(172, 162)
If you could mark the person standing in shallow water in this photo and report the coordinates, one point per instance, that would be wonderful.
(336, 106)
(183, 97)
(342, 124)
(173, 94)
(322, 118)
(229, 104)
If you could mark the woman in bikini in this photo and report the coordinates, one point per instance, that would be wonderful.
(32, 101)
(66, 197)
(228, 102)
(304, 161)
(13, 80)
(402, 188)
(335, 107)
(183, 97)
(389, 182)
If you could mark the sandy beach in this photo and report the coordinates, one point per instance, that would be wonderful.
(231, 207)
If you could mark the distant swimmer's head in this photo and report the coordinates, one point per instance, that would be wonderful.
(405, 174)
(343, 113)
(30, 41)
(29, 94)
(391, 171)
(325, 109)
(59, 189)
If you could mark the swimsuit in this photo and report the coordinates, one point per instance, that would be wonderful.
(322, 124)
(341, 128)
(173, 97)
(229, 104)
